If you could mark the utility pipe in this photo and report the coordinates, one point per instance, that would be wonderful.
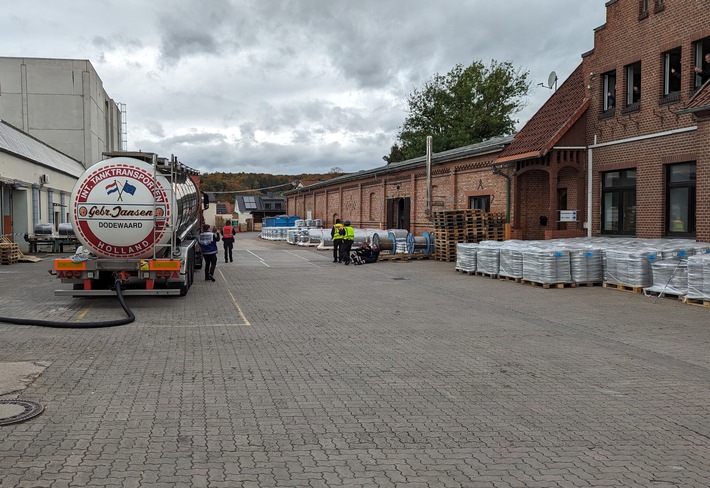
(589, 187)
(497, 171)
(428, 174)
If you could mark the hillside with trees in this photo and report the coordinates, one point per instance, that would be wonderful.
(239, 182)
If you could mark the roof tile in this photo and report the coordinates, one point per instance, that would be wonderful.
(551, 122)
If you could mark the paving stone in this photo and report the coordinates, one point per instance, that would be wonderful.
(395, 374)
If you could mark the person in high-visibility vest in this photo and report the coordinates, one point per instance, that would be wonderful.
(336, 234)
(347, 244)
(228, 241)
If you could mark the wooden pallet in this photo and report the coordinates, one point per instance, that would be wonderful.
(446, 259)
(549, 285)
(589, 283)
(699, 302)
(662, 294)
(465, 271)
(510, 278)
(7, 259)
(403, 257)
(622, 287)
(23, 258)
(9, 253)
(487, 275)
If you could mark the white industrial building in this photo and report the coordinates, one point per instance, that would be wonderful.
(61, 102)
(56, 119)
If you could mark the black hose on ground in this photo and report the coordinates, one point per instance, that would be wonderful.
(79, 325)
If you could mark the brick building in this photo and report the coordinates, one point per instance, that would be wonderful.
(394, 196)
(624, 142)
(648, 120)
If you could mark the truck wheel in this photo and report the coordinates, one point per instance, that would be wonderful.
(190, 275)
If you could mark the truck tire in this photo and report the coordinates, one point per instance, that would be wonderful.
(190, 274)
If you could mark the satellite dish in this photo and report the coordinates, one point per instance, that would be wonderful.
(552, 80)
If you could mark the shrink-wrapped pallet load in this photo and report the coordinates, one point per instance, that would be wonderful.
(629, 266)
(670, 277)
(586, 264)
(511, 258)
(547, 265)
(699, 277)
(488, 257)
(466, 256)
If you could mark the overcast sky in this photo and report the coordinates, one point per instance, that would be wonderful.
(291, 86)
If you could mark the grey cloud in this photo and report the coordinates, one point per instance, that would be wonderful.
(205, 80)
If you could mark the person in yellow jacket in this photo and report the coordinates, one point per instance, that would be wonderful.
(337, 233)
(347, 243)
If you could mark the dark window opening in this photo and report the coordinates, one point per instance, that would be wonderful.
(609, 81)
(680, 199)
(619, 202)
(702, 62)
(643, 9)
(633, 84)
(671, 72)
(482, 202)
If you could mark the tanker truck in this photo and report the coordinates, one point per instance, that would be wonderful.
(137, 218)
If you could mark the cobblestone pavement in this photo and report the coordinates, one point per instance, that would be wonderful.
(292, 371)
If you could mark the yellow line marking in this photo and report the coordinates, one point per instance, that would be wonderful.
(83, 314)
(234, 301)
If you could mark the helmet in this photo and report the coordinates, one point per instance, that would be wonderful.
(347, 222)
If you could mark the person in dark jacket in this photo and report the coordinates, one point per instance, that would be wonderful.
(208, 244)
(367, 254)
(703, 71)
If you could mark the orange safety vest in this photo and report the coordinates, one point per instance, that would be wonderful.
(228, 231)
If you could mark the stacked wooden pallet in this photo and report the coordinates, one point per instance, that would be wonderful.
(459, 226)
(495, 226)
(9, 253)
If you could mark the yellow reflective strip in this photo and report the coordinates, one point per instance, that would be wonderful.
(170, 264)
(68, 264)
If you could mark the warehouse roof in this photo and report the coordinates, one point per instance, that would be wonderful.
(495, 144)
(22, 145)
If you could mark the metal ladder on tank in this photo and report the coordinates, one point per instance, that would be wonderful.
(169, 217)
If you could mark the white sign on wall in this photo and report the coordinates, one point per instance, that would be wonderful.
(568, 216)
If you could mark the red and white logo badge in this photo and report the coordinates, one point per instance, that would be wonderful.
(120, 209)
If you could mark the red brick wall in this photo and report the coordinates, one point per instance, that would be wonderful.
(623, 40)
(534, 190)
(364, 201)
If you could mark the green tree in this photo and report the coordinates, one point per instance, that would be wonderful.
(466, 106)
